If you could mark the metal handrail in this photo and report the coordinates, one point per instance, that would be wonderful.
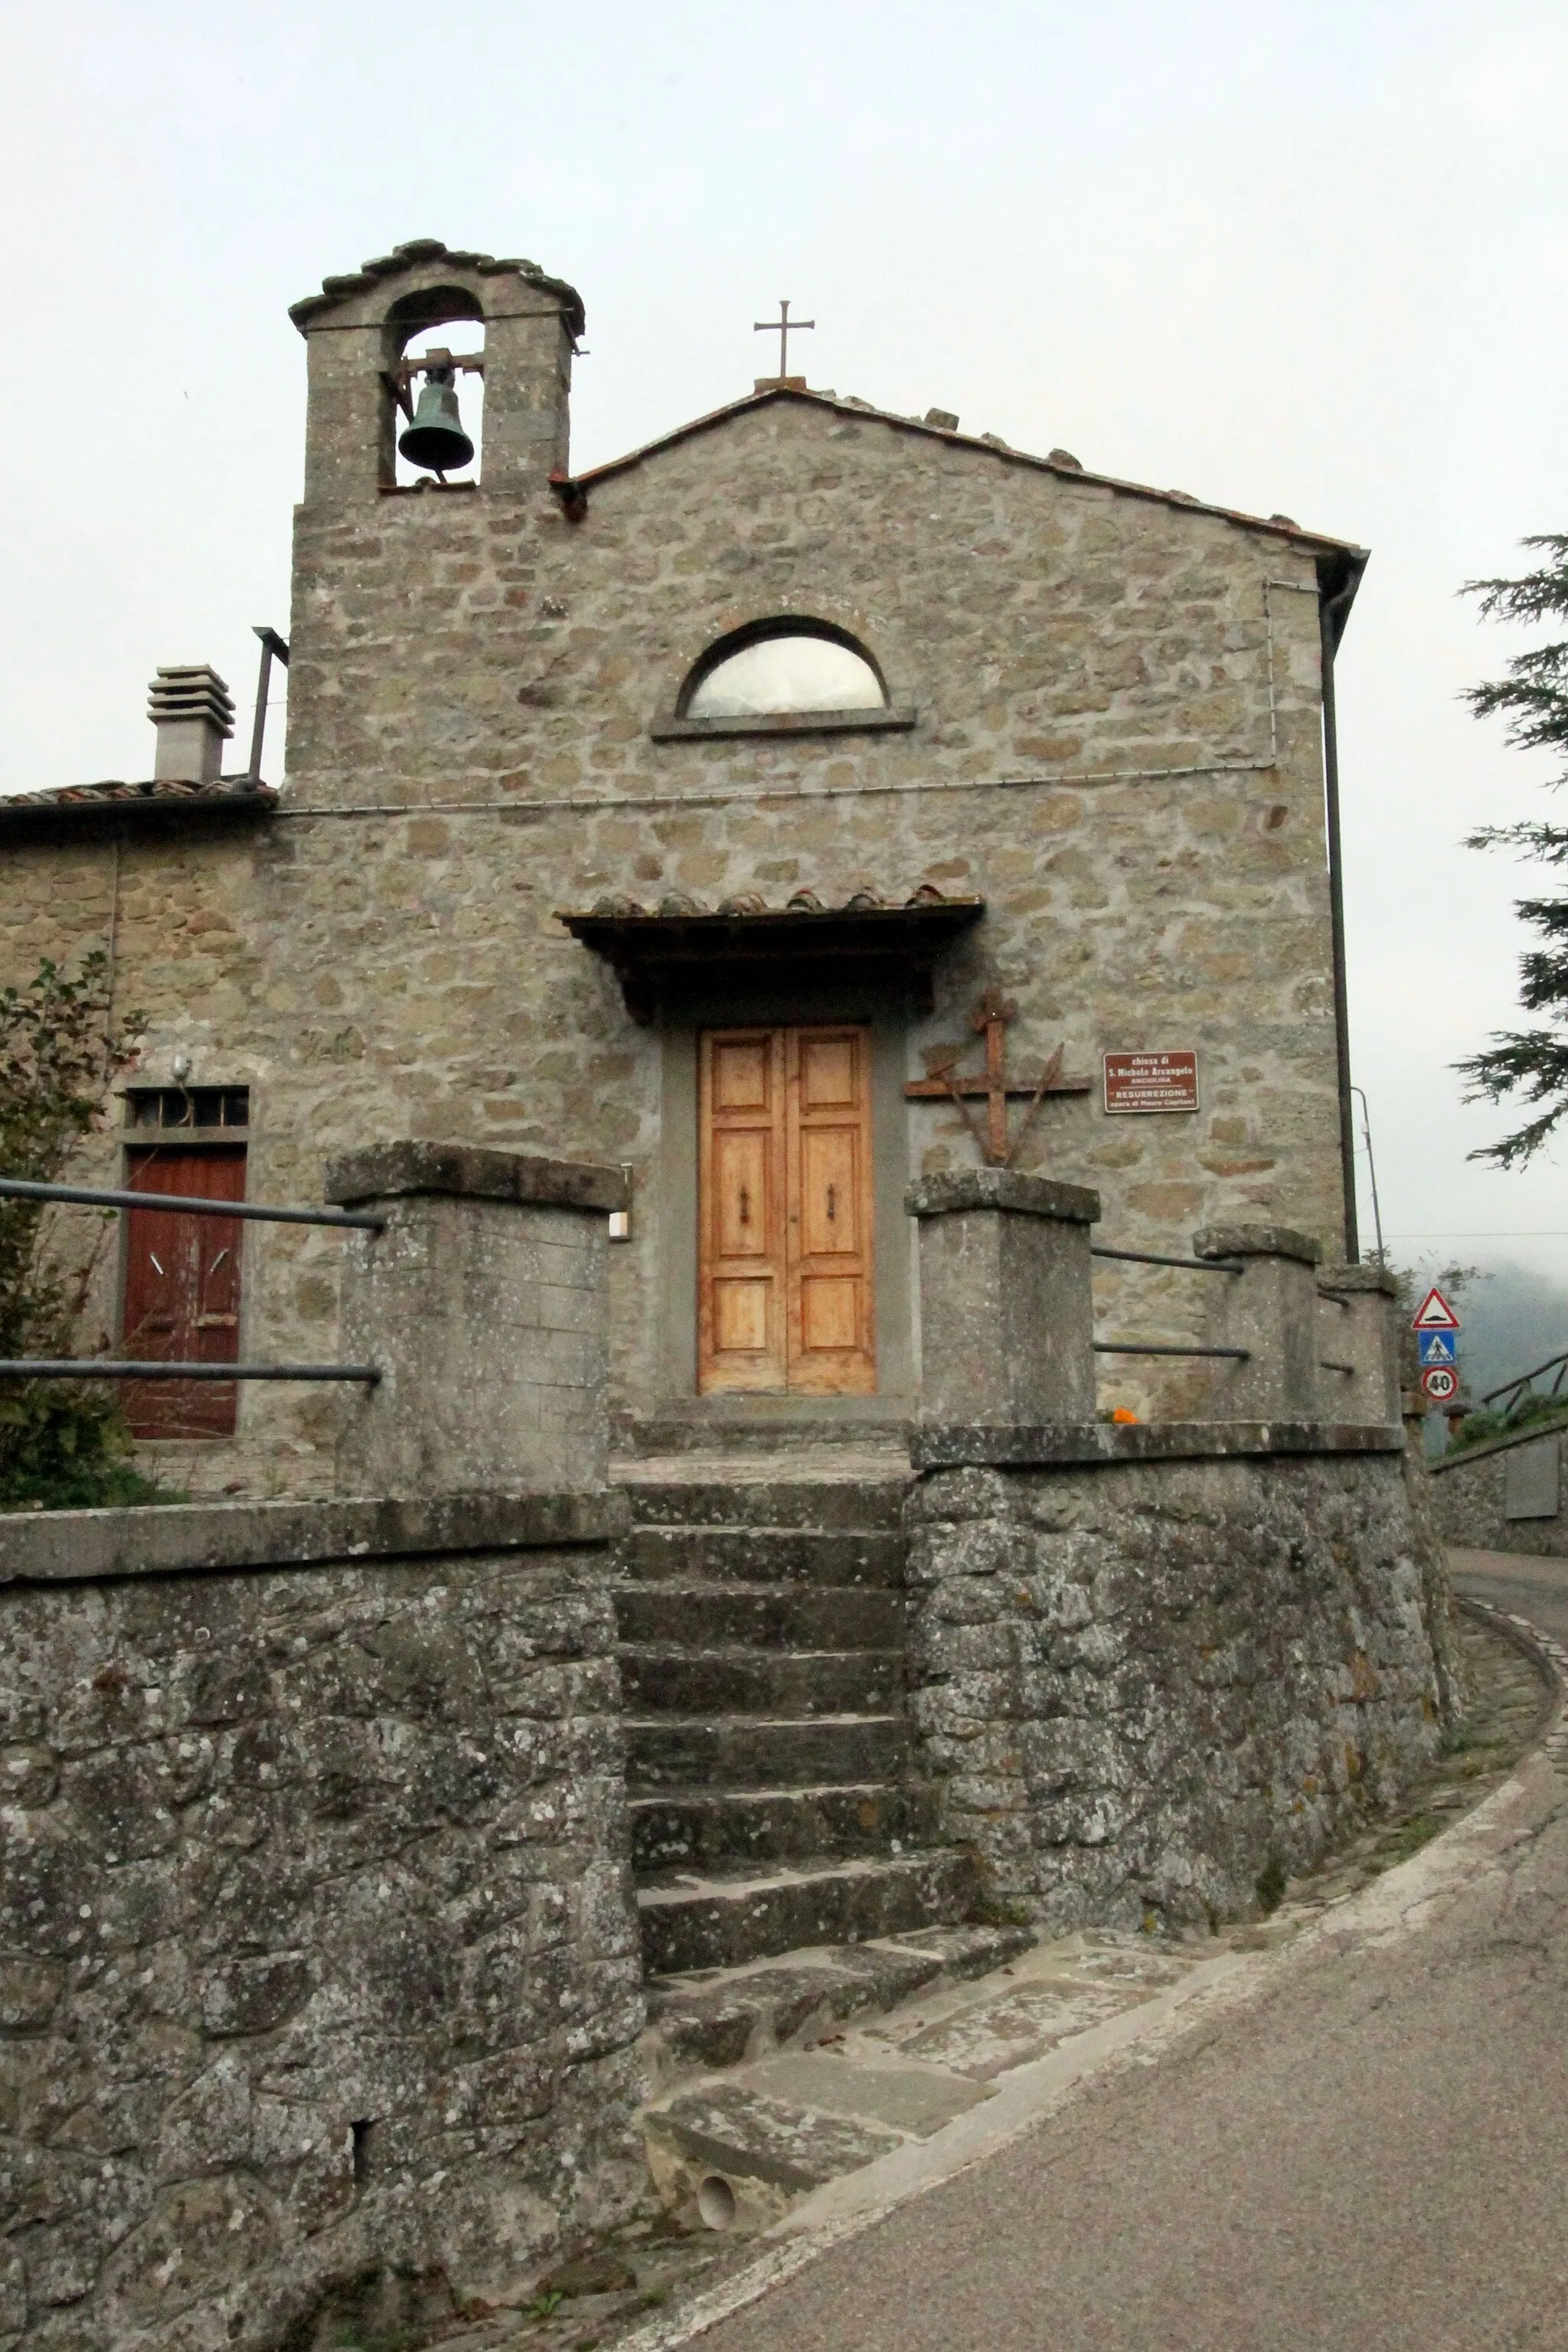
(91, 1196)
(1512, 1388)
(1158, 1347)
(104, 1368)
(1157, 1258)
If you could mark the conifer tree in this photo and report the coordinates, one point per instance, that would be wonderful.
(1530, 1065)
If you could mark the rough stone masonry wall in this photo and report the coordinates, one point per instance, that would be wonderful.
(399, 970)
(1141, 1684)
(1469, 1493)
(317, 1949)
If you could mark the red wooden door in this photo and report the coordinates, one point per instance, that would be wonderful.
(182, 1292)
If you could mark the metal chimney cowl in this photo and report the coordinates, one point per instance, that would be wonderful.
(192, 711)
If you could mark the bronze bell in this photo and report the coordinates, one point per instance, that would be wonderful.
(437, 438)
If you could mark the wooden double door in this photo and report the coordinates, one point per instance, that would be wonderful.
(784, 1210)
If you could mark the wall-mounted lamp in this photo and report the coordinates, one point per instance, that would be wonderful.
(621, 1218)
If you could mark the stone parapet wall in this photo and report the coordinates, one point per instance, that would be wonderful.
(1144, 1684)
(317, 1951)
(1476, 1496)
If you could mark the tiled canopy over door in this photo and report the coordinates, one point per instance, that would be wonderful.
(784, 1256)
(182, 1292)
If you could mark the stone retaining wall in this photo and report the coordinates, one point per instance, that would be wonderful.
(1495, 1497)
(318, 1952)
(1145, 1683)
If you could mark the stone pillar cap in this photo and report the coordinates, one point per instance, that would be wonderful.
(384, 1171)
(1256, 1241)
(1361, 1277)
(1001, 1188)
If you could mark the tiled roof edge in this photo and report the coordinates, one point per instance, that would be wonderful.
(232, 794)
(416, 253)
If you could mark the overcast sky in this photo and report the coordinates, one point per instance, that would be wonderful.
(1306, 258)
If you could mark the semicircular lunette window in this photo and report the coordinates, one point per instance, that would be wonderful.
(794, 670)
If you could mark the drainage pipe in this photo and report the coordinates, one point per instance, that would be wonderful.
(1329, 610)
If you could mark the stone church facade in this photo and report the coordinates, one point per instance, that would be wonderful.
(537, 879)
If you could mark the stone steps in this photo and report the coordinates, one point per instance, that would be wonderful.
(769, 1749)
(827, 1505)
(737, 1680)
(707, 1827)
(729, 1919)
(794, 1999)
(767, 1617)
(834, 1557)
(739, 1751)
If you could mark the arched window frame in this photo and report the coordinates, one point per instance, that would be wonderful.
(681, 724)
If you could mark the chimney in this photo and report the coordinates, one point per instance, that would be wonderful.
(192, 711)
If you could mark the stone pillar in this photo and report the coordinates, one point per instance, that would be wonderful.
(483, 1302)
(1270, 1308)
(1007, 1312)
(1358, 1325)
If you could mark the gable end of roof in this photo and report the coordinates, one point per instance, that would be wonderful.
(573, 489)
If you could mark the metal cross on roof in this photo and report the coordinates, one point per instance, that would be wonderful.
(784, 326)
(990, 1021)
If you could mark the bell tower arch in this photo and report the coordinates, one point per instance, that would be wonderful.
(407, 622)
(356, 330)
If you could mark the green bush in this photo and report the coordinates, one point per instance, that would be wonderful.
(1477, 1428)
(63, 1444)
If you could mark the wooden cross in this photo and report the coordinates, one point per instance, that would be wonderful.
(784, 326)
(990, 1021)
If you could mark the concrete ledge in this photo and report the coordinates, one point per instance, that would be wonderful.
(1257, 1241)
(1358, 1279)
(1105, 1443)
(1001, 1188)
(784, 722)
(384, 1171)
(182, 1539)
(1503, 1445)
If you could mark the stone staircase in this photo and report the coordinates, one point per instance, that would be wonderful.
(774, 1802)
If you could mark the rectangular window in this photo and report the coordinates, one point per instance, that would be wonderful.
(187, 1106)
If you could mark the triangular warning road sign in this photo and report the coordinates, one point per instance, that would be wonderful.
(1435, 1314)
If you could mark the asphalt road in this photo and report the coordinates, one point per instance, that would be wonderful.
(1371, 2156)
(1536, 1588)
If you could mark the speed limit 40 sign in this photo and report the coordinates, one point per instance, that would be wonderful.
(1440, 1382)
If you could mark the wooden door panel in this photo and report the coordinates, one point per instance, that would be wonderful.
(183, 1292)
(829, 1193)
(741, 1070)
(742, 1204)
(741, 1318)
(831, 1346)
(829, 1312)
(741, 1233)
(828, 1074)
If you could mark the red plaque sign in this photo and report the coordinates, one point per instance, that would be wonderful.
(1151, 1082)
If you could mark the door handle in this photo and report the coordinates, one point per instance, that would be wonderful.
(745, 1206)
(832, 1204)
